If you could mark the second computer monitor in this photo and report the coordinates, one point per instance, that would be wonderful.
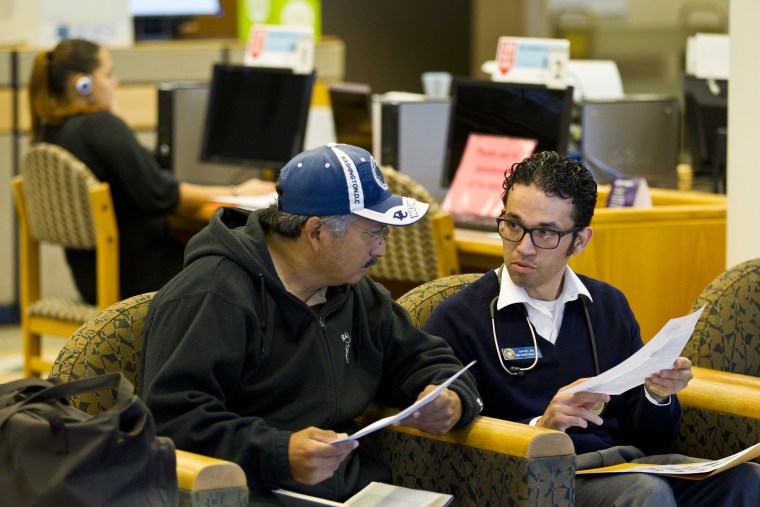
(637, 137)
(506, 109)
(351, 105)
(256, 117)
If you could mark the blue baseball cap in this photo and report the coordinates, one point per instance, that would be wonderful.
(338, 179)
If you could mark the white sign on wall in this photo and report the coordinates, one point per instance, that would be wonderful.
(280, 46)
(532, 60)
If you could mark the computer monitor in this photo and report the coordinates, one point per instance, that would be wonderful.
(635, 137)
(706, 118)
(161, 19)
(351, 105)
(173, 7)
(506, 109)
(256, 117)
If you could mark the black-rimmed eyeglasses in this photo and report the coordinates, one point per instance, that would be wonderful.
(381, 234)
(547, 239)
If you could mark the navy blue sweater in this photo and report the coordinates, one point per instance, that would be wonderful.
(630, 419)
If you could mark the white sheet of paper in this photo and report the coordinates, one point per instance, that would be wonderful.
(659, 353)
(251, 202)
(687, 468)
(387, 421)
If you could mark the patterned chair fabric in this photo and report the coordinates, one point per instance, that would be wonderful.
(726, 338)
(421, 301)
(410, 252)
(472, 475)
(727, 335)
(110, 341)
(58, 205)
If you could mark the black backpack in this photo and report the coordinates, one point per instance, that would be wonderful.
(52, 453)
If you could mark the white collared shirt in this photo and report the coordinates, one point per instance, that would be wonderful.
(546, 316)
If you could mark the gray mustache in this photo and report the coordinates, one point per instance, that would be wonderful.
(370, 263)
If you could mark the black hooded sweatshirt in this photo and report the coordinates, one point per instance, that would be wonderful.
(232, 363)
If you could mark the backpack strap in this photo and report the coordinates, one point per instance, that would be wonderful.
(51, 391)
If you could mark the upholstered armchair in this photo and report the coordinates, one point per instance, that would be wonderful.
(478, 464)
(111, 341)
(721, 410)
(484, 464)
(722, 402)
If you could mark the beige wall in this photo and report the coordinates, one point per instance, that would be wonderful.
(490, 20)
(743, 242)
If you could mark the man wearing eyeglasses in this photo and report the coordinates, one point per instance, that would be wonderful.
(535, 328)
(272, 339)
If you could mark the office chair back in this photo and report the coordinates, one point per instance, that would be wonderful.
(59, 201)
(420, 252)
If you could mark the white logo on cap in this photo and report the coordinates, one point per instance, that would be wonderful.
(354, 184)
(377, 174)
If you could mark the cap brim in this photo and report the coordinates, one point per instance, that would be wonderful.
(395, 210)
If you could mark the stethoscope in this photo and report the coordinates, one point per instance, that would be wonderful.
(520, 372)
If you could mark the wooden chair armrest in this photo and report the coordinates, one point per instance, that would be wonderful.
(726, 377)
(724, 392)
(488, 462)
(489, 434)
(196, 472)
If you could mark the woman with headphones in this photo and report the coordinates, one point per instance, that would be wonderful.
(71, 95)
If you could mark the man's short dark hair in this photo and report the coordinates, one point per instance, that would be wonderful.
(558, 176)
(290, 225)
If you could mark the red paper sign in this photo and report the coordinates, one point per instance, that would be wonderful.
(506, 56)
(476, 189)
(257, 42)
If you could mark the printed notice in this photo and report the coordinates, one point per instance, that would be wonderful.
(476, 189)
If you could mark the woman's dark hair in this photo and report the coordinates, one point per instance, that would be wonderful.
(51, 73)
(558, 176)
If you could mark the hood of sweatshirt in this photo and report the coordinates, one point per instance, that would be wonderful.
(236, 234)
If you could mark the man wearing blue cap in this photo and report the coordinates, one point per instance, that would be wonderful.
(272, 340)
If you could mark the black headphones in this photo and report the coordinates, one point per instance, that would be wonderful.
(83, 85)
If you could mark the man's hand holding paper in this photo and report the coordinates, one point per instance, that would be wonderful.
(671, 381)
(438, 416)
(657, 364)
